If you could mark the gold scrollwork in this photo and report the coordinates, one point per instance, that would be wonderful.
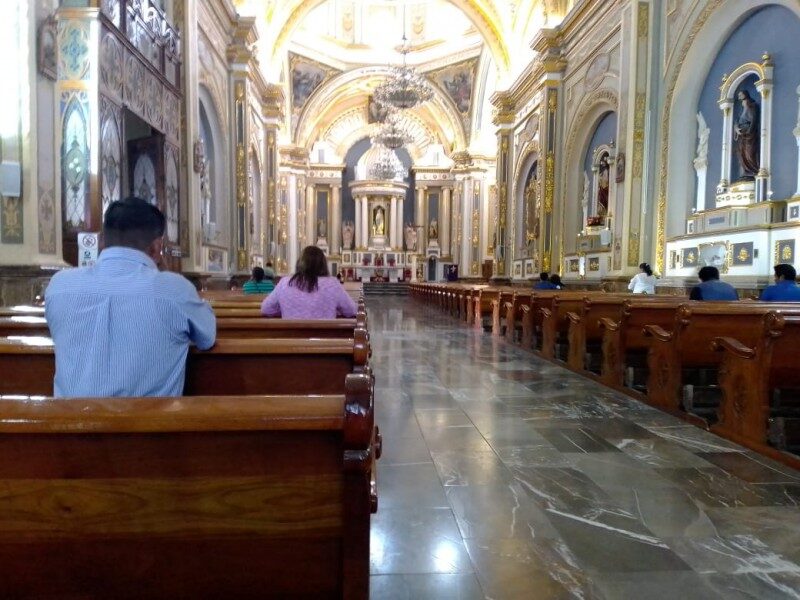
(549, 182)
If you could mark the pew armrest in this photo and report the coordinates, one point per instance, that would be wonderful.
(734, 346)
(508, 305)
(657, 332)
(608, 324)
(573, 317)
(525, 308)
(546, 313)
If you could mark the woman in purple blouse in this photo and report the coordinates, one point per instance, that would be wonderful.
(310, 293)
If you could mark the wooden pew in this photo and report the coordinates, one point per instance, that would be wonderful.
(482, 305)
(686, 344)
(225, 497)
(513, 312)
(750, 412)
(24, 325)
(499, 311)
(585, 334)
(556, 308)
(22, 310)
(624, 343)
(231, 367)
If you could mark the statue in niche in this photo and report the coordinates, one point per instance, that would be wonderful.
(703, 133)
(433, 230)
(531, 211)
(348, 227)
(379, 222)
(587, 185)
(747, 133)
(411, 237)
(322, 229)
(602, 187)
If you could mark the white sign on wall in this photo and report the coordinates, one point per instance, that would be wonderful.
(88, 249)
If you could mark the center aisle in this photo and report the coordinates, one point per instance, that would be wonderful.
(504, 476)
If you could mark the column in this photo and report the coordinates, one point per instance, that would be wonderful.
(401, 218)
(466, 227)
(292, 225)
(393, 225)
(421, 218)
(727, 129)
(364, 222)
(335, 220)
(311, 215)
(357, 224)
(444, 217)
(764, 88)
(796, 133)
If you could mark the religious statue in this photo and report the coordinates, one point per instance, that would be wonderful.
(747, 133)
(531, 212)
(322, 229)
(411, 237)
(347, 235)
(602, 188)
(433, 230)
(703, 133)
(378, 222)
(586, 189)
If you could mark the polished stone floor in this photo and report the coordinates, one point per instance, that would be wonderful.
(504, 476)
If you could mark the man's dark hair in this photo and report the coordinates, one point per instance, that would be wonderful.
(258, 274)
(708, 273)
(786, 271)
(133, 223)
(269, 263)
(544, 276)
(311, 266)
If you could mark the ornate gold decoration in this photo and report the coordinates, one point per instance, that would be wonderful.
(639, 115)
(643, 20)
(549, 182)
(633, 249)
(476, 268)
(476, 223)
(743, 255)
(546, 262)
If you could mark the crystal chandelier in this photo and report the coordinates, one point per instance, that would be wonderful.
(387, 167)
(393, 134)
(405, 88)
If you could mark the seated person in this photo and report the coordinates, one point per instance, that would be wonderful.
(122, 327)
(311, 293)
(555, 280)
(711, 287)
(544, 282)
(259, 284)
(785, 288)
(644, 282)
(269, 272)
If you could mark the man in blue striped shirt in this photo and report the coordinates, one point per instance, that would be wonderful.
(122, 327)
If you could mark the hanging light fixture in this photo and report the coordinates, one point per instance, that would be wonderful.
(387, 166)
(405, 88)
(393, 133)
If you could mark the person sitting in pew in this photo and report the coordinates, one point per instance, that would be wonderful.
(785, 288)
(711, 288)
(555, 281)
(311, 293)
(122, 327)
(259, 284)
(544, 282)
(644, 282)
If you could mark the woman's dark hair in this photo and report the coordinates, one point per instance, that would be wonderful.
(311, 266)
(258, 274)
(555, 279)
(646, 268)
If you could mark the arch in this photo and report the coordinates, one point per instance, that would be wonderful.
(528, 156)
(591, 111)
(212, 134)
(350, 89)
(481, 13)
(699, 46)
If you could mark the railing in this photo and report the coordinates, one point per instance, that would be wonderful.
(146, 27)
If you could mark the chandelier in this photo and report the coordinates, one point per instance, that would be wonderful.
(387, 167)
(405, 88)
(393, 134)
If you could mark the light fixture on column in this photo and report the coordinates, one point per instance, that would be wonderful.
(387, 166)
(393, 133)
(405, 88)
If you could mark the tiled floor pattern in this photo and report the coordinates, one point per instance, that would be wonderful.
(504, 476)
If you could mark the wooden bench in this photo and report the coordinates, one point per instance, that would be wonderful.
(585, 333)
(513, 312)
(624, 343)
(686, 344)
(556, 309)
(231, 367)
(760, 385)
(22, 310)
(226, 497)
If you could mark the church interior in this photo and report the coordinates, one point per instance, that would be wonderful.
(464, 435)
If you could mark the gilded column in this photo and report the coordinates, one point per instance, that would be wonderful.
(311, 214)
(272, 107)
(365, 224)
(357, 224)
(421, 218)
(401, 224)
(335, 219)
(505, 115)
(445, 216)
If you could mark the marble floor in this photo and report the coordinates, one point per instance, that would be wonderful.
(504, 476)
